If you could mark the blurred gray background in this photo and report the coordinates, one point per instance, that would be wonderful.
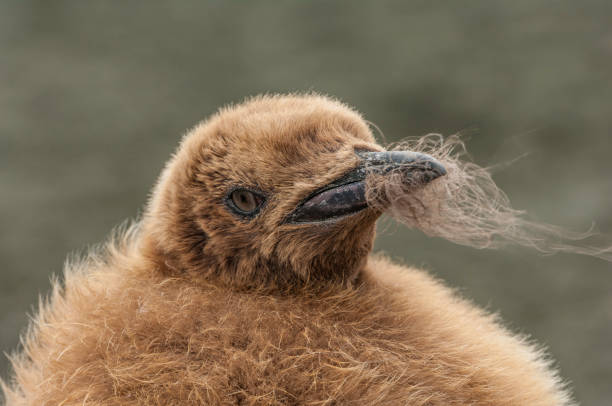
(94, 96)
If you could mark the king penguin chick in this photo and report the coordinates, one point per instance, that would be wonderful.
(249, 281)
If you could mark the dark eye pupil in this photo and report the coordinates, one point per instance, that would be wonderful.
(245, 200)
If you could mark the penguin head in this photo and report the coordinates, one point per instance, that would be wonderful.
(268, 193)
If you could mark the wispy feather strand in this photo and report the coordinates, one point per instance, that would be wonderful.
(466, 206)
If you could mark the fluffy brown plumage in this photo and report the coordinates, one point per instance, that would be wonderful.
(196, 305)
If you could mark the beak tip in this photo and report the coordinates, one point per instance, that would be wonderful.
(438, 169)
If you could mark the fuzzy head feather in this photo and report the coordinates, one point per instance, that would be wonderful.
(283, 148)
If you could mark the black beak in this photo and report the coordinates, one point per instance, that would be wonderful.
(347, 194)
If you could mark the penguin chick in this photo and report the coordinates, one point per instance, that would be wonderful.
(249, 281)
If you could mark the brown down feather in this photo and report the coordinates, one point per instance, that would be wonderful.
(193, 305)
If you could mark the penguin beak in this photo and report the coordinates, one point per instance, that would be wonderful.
(347, 194)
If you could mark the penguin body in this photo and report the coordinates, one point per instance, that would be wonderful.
(249, 280)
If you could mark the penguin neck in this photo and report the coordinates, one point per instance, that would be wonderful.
(333, 258)
(336, 273)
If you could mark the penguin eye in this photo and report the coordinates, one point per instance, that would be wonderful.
(245, 202)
